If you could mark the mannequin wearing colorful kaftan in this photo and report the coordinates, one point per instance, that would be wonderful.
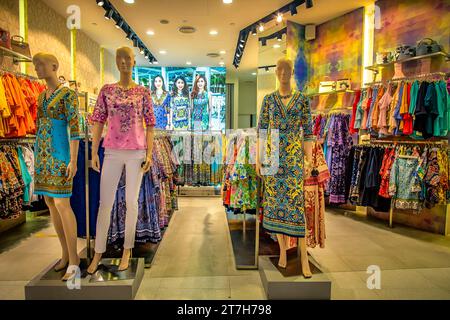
(58, 123)
(284, 211)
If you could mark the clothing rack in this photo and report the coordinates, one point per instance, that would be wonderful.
(17, 74)
(420, 142)
(411, 78)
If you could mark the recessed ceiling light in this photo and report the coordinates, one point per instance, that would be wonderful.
(214, 32)
(129, 1)
(222, 52)
(151, 32)
(221, 63)
(164, 21)
(155, 62)
(280, 18)
(227, 1)
(162, 51)
(188, 63)
(100, 3)
(276, 46)
(253, 73)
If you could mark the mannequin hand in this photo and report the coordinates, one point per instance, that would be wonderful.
(71, 170)
(96, 162)
(258, 170)
(147, 165)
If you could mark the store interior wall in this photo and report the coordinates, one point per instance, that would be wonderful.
(247, 103)
(54, 37)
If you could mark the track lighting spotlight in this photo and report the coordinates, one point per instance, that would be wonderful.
(261, 28)
(254, 31)
(293, 10)
(119, 24)
(109, 13)
(100, 3)
(264, 42)
(309, 4)
(280, 37)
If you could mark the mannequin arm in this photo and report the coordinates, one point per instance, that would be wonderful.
(72, 168)
(149, 158)
(97, 131)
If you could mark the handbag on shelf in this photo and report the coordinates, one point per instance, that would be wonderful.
(404, 52)
(343, 84)
(20, 46)
(428, 46)
(384, 57)
(5, 38)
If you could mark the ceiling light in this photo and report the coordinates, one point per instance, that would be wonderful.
(221, 63)
(142, 51)
(188, 63)
(261, 28)
(280, 18)
(293, 10)
(214, 32)
(151, 32)
(163, 52)
(100, 3)
(254, 31)
(253, 73)
(222, 52)
(280, 37)
(109, 14)
(129, 1)
(267, 69)
(309, 4)
(155, 62)
(276, 46)
(264, 42)
(129, 35)
(227, 1)
(241, 45)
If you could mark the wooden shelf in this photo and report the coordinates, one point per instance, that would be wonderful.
(328, 93)
(377, 67)
(17, 57)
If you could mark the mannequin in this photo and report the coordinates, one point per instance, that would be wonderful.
(180, 105)
(161, 103)
(288, 111)
(124, 105)
(54, 171)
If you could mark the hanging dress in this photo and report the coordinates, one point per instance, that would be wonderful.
(57, 116)
(283, 204)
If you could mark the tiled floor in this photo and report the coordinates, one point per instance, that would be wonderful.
(195, 260)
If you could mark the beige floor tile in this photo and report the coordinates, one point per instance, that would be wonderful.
(354, 294)
(348, 280)
(362, 262)
(439, 277)
(193, 294)
(11, 292)
(331, 263)
(414, 294)
(16, 266)
(405, 279)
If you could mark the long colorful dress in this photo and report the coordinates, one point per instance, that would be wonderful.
(55, 116)
(161, 107)
(200, 111)
(283, 203)
(180, 106)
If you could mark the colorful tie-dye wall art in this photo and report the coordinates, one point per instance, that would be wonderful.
(405, 22)
(295, 50)
(337, 51)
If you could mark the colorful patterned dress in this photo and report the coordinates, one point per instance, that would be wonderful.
(58, 123)
(200, 111)
(180, 106)
(161, 107)
(284, 203)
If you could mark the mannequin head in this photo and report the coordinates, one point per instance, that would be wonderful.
(199, 85)
(125, 60)
(284, 71)
(158, 84)
(46, 65)
(180, 85)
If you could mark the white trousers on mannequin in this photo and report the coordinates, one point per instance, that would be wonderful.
(112, 168)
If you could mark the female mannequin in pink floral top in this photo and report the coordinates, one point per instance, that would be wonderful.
(125, 106)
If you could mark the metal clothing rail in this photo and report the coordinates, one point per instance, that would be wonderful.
(17, 74)
(411, 78)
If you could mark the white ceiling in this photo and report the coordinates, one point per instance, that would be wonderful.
(204, 15)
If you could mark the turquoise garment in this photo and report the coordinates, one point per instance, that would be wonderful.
(404, 184)
(413, 101)
(360, 111)
(200, 112)
(27, 179)
(180, 106)
(58, 123)
(443, 107)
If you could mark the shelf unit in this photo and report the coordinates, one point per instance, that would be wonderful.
(377, 67)
(17, 57)
(328, 93)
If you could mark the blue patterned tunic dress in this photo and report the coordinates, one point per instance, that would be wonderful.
(200, 111)
(161, 107)
(180, 106)
(283, 204)
(58, 122)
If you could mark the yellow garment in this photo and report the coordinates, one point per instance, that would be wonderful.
(5, 112)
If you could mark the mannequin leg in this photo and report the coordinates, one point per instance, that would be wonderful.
(70, 230)
(57, 223)
(282, 262)
(110, 177)
(133, 186)
(304, 258)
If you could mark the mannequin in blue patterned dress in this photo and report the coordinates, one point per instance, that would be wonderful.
(161, 103)
(56, 154)
(288, 112)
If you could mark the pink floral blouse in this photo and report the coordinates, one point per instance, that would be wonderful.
(125, 110)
